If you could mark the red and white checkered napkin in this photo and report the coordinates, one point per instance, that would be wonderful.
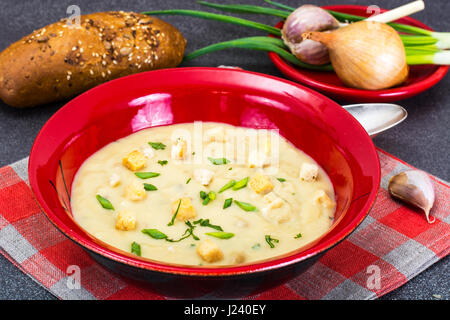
(392, 245)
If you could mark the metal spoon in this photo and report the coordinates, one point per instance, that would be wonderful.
(377, 117)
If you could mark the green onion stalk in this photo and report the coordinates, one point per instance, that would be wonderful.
(424, 46)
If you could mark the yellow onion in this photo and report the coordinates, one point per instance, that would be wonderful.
(365, 55)
(308, 18)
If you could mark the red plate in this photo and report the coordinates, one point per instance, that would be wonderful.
(420, 79)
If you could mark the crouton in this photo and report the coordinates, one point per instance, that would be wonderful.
(134, 161)
(237, 257)
(309, 172)
(114, 180)
(260, 184)
(273, 201)
(179, 149)
(148, 152)
(258, 159)
(125, 221)
(323, 199)
(135, 191)
(209, 251)
(186, 210)
(204, 176)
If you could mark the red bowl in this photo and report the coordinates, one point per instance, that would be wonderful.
(312, 122)
(420, 78)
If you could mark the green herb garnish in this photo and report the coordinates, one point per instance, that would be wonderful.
(146, 175)
(104, 202)
(158, 235)
(212, 195)
(189, 232)
(149, 187)
(270, 241)
(281, 179)
(227, 203)
(174, 215)
(188, 180)
(240, 184)
(227, 186)
(154, 233)
(207, 197)
(256, 246)
(218, 161)
(205, 223)
(299, 235)
(136, 248)
(163, 162)
(157, 145)
(221, 234)
(245, 206)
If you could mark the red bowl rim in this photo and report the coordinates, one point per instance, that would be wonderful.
(149, 265)
(396, 93)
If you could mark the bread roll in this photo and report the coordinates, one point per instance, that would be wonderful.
(61, 60)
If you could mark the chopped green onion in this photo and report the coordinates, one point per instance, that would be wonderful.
(227, 203)
(163, 162)
(149, 187)
(299, 235)
(271, 240)
(212, 195)
(146, 175)
(157, 145)
(218, 161)
(256, 246)
(205, 223)
(207, 197)
(221, 234)
(136, 248)
(240, 184)
(154, 233)
(219, 17)
(158, 235)
(281, 179)
(245, 206)
(227, 186)
(188, 180)
(105, 203)
(174, 215)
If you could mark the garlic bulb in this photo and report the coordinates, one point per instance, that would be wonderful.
(308, 18)
(365, 55)
(413, 187)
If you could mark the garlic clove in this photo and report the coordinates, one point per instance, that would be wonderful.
(414, 187)
(365, 55)
(310, 51)
(303, 19)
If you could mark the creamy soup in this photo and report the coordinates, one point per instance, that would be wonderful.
(203, 194)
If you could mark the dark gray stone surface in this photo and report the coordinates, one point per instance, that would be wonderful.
(422, 140)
